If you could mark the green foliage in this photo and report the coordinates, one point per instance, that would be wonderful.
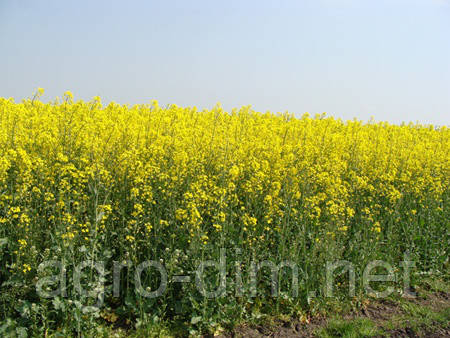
(349, 329)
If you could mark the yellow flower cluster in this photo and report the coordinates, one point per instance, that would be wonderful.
(83, 170)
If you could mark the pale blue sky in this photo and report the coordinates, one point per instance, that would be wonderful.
(350, 58)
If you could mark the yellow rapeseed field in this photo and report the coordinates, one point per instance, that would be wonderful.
(81, 180)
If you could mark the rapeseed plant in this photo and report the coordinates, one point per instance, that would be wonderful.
(81, 180)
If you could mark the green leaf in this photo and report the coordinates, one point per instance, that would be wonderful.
(58, 304)
(21, 332)
(196, 319)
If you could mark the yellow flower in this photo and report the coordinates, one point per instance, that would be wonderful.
(69, 95)
(234, 172)
(377, 227)
(26, 268)
(149, 227)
